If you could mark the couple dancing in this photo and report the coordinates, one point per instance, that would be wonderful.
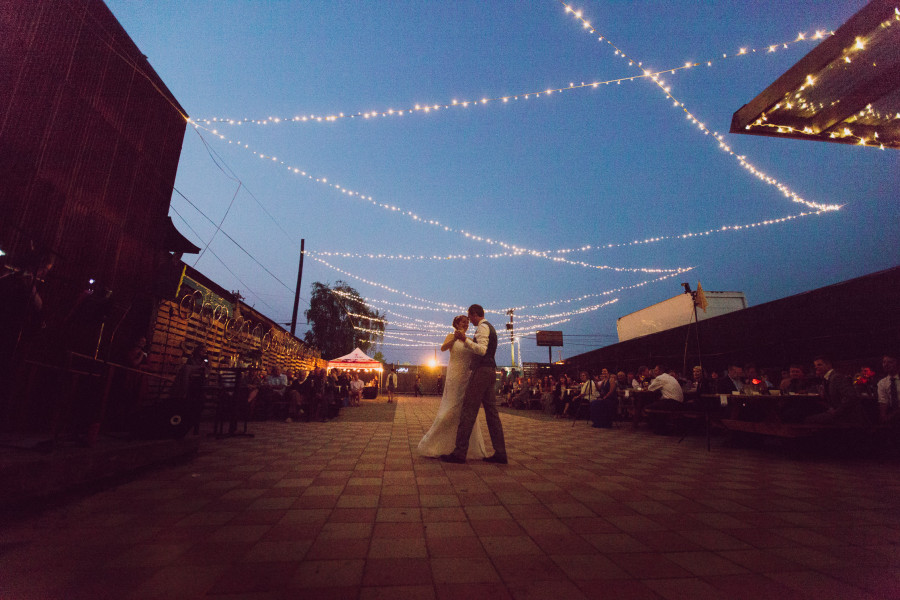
(453, 436)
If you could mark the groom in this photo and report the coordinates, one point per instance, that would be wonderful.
(480, 391)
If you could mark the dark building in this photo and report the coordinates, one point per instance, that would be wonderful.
(90, 140)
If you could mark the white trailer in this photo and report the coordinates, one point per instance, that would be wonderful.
(675, 312)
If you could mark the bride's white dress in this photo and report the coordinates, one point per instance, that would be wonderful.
(441, 438)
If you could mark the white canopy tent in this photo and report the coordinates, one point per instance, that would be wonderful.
(357, 361)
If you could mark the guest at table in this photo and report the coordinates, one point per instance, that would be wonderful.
(672, 397)
(698, 385)
(842, 401)
(642, 379)
(587, 393)
(889, 391)
(560, 393)
(548, 387)
(356, 388)
(796, 382)
(622, 381)
(604, 407)
(297, 395)
(733, 382)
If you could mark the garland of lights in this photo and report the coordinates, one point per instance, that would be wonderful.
(546, 254)
(461, 309)
(427, 108)
(723, 145)
(795, 98)
(468, 257)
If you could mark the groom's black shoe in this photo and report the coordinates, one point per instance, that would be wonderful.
(497, 458)
(452, 458)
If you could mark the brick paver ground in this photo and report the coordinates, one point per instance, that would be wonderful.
(346, 509)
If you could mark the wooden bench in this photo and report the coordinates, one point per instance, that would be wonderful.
(797, 430)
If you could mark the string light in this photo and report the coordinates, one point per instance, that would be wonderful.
(520, 310)
(499, 255)
(512, 248)
(801, 102)
(723, 145)
(333, 116)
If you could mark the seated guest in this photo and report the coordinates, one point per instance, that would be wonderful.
(604, 407)
(843, 403)
(559, 394)
(356, 388)
(671, 397)
(548, 387)
(733, 382)
(796, 382)
(277, 381)
(622, 381)
(297, 396)
(697, 385)
(587, 393)
(271, 390)
(642, 379)
(889, 391)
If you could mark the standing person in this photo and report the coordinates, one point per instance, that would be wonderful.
(479, 391)
(441, 437)
(391, 384)
(417, 387)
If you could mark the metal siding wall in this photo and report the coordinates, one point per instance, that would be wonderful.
(88, 148)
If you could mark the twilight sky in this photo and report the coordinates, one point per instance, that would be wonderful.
(588, 166)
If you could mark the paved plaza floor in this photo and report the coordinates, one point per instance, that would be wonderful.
(346, 509)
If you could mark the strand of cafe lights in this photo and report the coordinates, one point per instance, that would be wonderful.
(467, 257)
(409, 327)
(849, 54)
(431, 328)
(428, 108)
(447, 306)
(546, 254)
(743, 51)
(723, 145)
(459, 309)
(520, 331)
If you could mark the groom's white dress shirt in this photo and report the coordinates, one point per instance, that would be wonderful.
(482, 337)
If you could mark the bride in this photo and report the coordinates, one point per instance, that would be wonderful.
(441, 438)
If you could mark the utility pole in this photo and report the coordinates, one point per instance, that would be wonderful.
(297, 292)
(512, 343)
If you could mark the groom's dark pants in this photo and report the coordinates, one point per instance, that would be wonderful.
(480, 393)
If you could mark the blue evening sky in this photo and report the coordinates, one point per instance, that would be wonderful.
(590, 166)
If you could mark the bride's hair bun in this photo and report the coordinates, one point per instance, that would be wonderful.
(457, 319)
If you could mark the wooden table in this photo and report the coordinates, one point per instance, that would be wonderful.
(768, 408)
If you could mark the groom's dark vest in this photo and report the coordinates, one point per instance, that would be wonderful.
(488, 359)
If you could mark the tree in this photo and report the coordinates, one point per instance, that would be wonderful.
(340, 320)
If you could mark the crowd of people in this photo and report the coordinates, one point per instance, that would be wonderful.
(818, 395)
(262, 394)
